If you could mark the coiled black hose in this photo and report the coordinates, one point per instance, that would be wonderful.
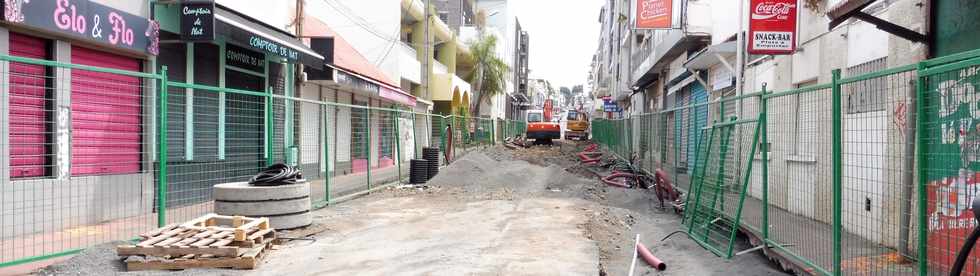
(276, 175)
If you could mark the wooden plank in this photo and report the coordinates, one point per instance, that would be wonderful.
(262, 223)
(248, 260)
(235, 263)
(199, 220)
(161, 237)
(168, 241)
(221, 243)
(221, 235)
(129, 250)
(259, 234)
(204, 234)
(203, 242)
(185, 241)
(157, 231)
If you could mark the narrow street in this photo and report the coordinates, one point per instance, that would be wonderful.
(494, 211)
(490, 137)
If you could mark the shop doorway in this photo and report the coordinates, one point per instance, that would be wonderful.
(245, 123)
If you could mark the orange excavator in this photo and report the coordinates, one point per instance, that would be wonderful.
(540, 127)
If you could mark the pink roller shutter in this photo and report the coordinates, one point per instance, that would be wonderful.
(106, 115)
(28, 118)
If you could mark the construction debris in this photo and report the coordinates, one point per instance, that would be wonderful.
(210, 241)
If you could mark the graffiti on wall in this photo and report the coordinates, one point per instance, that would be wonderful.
(952, 167)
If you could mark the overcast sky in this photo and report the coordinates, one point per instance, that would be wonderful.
(563, 36)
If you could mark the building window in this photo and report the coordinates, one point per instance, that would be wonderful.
(444, 16)
(804, 131)
(867, 95)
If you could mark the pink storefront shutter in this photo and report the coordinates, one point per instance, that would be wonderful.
(106, 115)
(29, 154)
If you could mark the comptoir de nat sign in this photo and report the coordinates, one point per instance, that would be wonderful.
(197, 21)
(772, 27)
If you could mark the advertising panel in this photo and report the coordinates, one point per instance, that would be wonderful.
(772, 27)
(654, 14)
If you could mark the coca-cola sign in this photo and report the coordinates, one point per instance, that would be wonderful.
(772, 27)
(767, 10)
(654, 14)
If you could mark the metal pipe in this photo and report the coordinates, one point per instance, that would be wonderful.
(907, 180)
(649, 258)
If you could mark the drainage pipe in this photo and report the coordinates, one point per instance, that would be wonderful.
(609, 180)
(649, 258)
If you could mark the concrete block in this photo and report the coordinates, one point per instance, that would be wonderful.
(262, 208)
(291, 221)
(242, 191)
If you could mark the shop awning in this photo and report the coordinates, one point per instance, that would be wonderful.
(248, 32)
(848, 9)
(711, 56)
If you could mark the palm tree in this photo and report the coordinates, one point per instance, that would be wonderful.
(489, 71)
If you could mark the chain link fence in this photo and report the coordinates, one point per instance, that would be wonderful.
(870, 174)
(103, 154)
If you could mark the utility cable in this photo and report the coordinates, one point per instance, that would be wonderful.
(277, 175)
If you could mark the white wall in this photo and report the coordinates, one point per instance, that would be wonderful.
(724, 21)
(278, 15)
(372, 27)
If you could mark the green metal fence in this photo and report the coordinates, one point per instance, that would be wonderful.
(871, 173)
(99, 155)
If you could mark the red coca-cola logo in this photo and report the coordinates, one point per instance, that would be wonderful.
(768, 10)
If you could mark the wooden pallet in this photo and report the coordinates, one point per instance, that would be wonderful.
(203, 237)
(238, 224)
(248, 260)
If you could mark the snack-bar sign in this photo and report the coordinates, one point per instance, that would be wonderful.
(87, 20)
(772, 27)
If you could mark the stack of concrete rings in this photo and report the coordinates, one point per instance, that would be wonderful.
(286, 206)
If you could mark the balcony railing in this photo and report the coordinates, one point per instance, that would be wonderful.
(408, 49)
(439, 68)
(641, 53)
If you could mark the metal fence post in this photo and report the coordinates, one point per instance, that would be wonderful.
(923, 220)
(269, 159)
(415, 136)
(837, 168)
(398, 142)
(326, 157)
(764, 148)
(368, 147)
(162, 154)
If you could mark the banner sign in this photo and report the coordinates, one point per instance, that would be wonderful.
(610, 106)
(252, 34)
(396, 96)
(952, 162)
(654, 14)
(197, 21)
(357, 82)
(244, 58)
(772, 27)
(87, 20)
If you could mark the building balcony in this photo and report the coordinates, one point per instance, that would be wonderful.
(438, 68)
(411, 68)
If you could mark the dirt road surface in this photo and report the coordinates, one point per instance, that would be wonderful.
(494, 211)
